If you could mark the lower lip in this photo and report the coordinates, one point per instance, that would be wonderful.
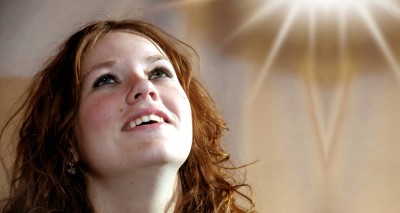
(146, 127)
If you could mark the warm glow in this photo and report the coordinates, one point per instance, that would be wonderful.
(317, 11)
(343, 11)
(329, 4)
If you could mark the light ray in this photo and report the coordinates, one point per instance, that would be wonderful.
(312, 87)
(342, 20)
(339, 102)
(274, 51)
(333, 4)
(262, 12)
(315, 104)
(312, 33)
(327, 4)
(380, 40)
(389, 6)
(341, 88)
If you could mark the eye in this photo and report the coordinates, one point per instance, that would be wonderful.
(160, 72)
(105, 79)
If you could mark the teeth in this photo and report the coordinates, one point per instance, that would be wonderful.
(145, 118)
(154, 118)
(131, 125)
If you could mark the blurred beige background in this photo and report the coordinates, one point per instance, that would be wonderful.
(312, 95)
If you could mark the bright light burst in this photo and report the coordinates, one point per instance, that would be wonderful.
(341, 10)
(329, 4)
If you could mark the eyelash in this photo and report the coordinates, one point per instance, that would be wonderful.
(107, 78)
(164, 72)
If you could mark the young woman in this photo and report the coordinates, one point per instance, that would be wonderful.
(117, 122)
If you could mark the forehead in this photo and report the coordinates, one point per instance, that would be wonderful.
(117, 44)
(121, 42)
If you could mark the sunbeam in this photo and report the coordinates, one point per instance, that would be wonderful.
(262, 12)
(316, 110)
(340, 90)
(312, 87)
(312, 6)
(311, 33)
(273, 53)
(326, 122)
(329, 4)
(380, 40)
(338, 106)
(392, 8)
(342, 35)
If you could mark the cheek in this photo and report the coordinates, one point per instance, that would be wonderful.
(97, 119)
(175, 99)
(97, 113)
(183, 108)
(187, 108)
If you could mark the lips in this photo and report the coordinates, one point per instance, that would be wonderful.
(146, 117)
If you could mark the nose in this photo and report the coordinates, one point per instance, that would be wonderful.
(141, 90)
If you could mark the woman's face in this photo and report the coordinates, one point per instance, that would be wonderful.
(133, 111)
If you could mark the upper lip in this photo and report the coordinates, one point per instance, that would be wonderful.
(147, 111)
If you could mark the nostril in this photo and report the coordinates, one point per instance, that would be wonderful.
(152, 94)
(137, 95)
(144, 94)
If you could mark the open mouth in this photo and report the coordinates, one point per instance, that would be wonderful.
(147, 123)
(145, 120)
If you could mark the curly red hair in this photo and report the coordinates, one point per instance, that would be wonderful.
(40, 181)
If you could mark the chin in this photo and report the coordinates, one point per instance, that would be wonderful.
(154, 153)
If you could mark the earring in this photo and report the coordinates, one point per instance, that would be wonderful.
(71, 168)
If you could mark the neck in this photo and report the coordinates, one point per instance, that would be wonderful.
(149, 191)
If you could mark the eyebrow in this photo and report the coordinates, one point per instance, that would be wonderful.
(98, 66)
(101, 65)
(107, 64)
(154, 58)
(149, 59)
